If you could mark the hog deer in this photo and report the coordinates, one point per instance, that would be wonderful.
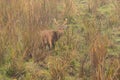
(49, 37)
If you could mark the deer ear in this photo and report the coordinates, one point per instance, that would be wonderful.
(55, 21)
(65, 21)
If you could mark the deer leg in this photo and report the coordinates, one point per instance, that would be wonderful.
(53, 44)
(50, 44)
(43, 44)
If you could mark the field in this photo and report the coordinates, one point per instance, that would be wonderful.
(59, 40)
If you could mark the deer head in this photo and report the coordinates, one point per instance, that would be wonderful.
(60, 26)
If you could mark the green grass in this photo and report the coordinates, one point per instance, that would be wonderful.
(92, 29)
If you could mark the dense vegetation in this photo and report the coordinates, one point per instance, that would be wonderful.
(89, 49)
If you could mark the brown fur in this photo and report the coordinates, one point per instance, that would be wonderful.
(49, 37)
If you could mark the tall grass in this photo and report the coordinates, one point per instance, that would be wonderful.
(81, 53)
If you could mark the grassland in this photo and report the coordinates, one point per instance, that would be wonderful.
(88, 50)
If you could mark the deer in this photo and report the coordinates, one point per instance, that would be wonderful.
(50, 37)
(47, 37)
